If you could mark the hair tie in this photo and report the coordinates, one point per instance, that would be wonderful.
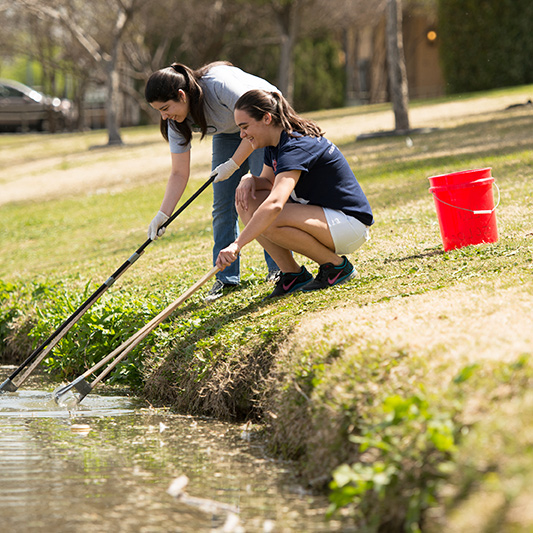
(180, 69)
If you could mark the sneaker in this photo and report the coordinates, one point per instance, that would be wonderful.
(273, 276)
(290, 282)
(329, 275)
(217, 290)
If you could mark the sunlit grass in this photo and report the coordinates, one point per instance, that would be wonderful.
(315, 368)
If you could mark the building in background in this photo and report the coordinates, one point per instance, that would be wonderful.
(366, 60)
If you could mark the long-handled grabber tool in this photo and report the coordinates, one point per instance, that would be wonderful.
(15, 380)
(66, 395)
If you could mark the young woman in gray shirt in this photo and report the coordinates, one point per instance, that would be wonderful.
(202, 101)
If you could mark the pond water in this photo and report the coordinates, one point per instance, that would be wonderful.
(108, 466)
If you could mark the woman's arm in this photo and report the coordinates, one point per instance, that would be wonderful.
(242, 153)
(265, 181)
(227, 168)
(179, 176)
(265, 214)
(250, 184)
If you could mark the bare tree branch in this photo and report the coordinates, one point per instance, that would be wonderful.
(88, 43)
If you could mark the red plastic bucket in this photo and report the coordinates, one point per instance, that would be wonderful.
(465, 207)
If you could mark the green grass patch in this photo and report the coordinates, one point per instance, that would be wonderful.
(404, 394)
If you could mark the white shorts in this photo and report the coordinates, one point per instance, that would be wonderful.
(347, 232)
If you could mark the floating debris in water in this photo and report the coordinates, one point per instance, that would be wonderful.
(206, 505)
(268, 526)
(81, 429)
(177, 486)
(246, 431)
(231, 525)
(162, 427)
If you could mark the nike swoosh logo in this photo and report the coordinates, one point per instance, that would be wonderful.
(331, 281)
(287, 287)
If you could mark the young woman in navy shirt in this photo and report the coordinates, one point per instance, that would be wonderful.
(306, 199)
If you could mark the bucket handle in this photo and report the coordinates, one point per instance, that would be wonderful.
(476, 212)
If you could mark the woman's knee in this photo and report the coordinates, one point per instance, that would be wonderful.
(244, 214)
(271, 232)
(252, 205)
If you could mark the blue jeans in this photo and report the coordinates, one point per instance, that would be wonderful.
(225, 217)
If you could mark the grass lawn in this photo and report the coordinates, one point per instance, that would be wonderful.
(410, 387)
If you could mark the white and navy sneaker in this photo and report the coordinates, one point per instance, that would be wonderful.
(218, 289)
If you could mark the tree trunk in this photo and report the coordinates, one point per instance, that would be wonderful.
(396, 63)
(352, 89)
(378, 70)
(113, 87)
(287, 16)
(113, 104)
(80, 86)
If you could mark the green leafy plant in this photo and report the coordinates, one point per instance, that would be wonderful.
(402, 461)
(8, 311)
(108, 323)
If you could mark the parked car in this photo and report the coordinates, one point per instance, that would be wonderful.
(23, 108)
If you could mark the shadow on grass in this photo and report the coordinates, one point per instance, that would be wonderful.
(123, 144)
(428, 253)
(494, 137)
(203, 375)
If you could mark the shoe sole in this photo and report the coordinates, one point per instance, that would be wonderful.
(349, 277)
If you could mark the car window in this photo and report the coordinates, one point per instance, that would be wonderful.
(14, 92)
(9, 92)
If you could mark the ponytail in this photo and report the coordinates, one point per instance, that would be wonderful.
(164, 84)
(257, 103)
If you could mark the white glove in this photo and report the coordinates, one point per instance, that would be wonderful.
(225, 170)
(153, 230)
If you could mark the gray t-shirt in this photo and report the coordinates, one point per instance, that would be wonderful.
(223, 85)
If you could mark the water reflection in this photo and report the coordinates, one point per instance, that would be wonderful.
(109, 465)
(24, 403)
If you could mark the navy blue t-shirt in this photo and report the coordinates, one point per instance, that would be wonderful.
(326, 178)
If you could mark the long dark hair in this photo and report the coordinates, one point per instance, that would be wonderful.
(257, 103)
(164, 84)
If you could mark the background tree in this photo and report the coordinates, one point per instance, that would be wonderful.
(396, 65)
(288, 15)
(486, 44)
(99, 28)
(302, 46)
(197, 33)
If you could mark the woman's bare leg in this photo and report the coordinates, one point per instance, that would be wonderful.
(299, 228)
(282, 256)
(304, 229)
